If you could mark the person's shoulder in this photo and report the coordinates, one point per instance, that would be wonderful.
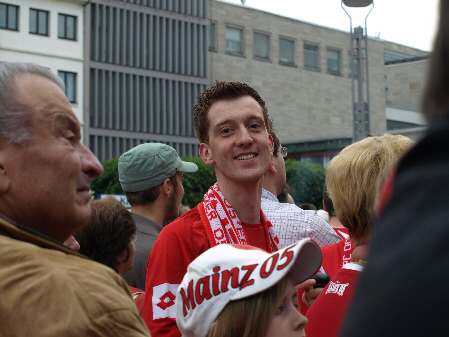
(187, 225)
(190, 214)
(337, 246)
(186, 233)
(57, 265)
(283, 209)
(186, 221)
(57, 279)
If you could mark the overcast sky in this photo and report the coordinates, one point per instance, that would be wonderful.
(408, 22)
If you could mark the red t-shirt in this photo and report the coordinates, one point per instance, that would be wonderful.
(178, 244)
(342, 232)
(138, 297)
(336, 255)
(327, 312)
(256, 235)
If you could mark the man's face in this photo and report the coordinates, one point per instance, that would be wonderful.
(47, 180)
(239, 146)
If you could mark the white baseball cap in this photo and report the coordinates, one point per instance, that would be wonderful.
(228, 272)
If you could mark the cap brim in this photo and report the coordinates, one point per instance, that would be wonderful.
(307, 263)
(188, 167)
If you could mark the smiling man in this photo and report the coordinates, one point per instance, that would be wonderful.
(47, 289)
(232, 125)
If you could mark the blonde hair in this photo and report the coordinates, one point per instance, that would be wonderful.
(352, 179)
(250, 317)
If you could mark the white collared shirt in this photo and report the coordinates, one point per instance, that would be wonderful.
(293, 223)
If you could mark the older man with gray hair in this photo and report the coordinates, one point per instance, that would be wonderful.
(47, 289)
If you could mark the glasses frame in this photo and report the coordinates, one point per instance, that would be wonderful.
(283, 152)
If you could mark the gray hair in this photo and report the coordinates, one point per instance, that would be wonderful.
(15, 118)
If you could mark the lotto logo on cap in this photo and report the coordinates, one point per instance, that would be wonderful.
(227, 273)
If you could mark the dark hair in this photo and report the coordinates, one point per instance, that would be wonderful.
(307, 207)
(109, 232)
(221, 91)
(282, 197)
(435, 100)
(276, 142)
(328, 204)
(150, 195)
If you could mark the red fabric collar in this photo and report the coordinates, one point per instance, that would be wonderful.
(222, 224)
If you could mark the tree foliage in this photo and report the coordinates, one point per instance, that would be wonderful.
(108, 183)
(196, 184)
(306, 179)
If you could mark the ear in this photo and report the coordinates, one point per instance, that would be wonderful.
(206, 154)
(271, 144)
(272, 168)
(167, 188)
(121, 257)
(324, 206)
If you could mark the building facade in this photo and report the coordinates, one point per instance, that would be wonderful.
(133, 69)
(145, 63)
(48, 33)
(303, 73)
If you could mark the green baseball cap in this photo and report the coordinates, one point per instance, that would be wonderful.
(148, 165)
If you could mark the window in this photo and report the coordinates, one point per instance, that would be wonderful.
(212, 36)
(262, 46)
(9, 16)
(333, 61)
(310, 56)
(69, 80)
(286, 51)
(38, 22)
(234, 37)
(66, 27)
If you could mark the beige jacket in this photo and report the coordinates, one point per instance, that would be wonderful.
(48, 290)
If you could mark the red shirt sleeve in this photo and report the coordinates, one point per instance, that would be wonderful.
(178, 244)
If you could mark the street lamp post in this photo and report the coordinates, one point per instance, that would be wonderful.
(358, 54)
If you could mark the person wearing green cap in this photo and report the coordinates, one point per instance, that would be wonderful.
(151, 175)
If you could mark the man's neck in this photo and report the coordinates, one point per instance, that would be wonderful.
(269, 183)
(149, 212)
(244, 199)
(334, 222)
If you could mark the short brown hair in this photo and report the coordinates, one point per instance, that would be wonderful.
(283, 196)
(276, 142)
(109, 232)
(222, 91)
(149, 195)
(352, 179)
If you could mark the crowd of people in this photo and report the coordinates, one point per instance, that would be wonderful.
(244, 261)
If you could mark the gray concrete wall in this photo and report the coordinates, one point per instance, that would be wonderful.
(304, 104)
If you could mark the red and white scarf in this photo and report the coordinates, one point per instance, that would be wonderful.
(222, 224)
